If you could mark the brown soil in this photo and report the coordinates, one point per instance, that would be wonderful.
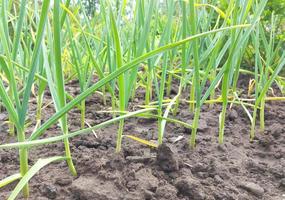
(237, 169)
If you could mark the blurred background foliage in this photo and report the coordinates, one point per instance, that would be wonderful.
(275, 9)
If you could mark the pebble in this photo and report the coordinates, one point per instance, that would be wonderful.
(63, 181)
(234, 170)
(49, 191)
(222, 147)
(42, 198)
(199, 167)
(148, 195)
(224, 158)
(253, 188)
(203, 126)
(202, 175)
(3, 116)
(276, 130)
(218, 179)
(244, 131)
(175, 139)
(233, 115)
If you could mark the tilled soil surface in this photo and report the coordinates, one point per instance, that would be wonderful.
(236, 170)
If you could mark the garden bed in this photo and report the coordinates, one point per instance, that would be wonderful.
(238, 169)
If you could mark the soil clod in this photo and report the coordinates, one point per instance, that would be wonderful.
(146, 180)
(85, 188)
(166, 192)
(167, 158)
(187, 186)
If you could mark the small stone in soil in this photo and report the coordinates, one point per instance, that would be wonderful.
(145, 120)
(2, 116)
(203, 126)
(199, 167)
(148, 195)
(218, 179)
(242, 197)
(278, 154)
(167, 158)
(49, 191)
(175, 139)
(189, 187)
(282, 183)
(244, 131)
(166, 192)
(253, 188)
(222, 147)
(42, 198)
(254, 167)
(234, 170)
(233, 115)
(4, 158)
(64, 181)
(278, 171)
(276, 130)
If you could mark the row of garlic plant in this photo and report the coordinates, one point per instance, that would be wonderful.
(117, 54)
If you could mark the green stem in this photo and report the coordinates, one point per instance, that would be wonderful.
(121, 78)
(24, 168)
(11, 124)
(119, 136)
(60, 83)
(177, 102)
(133, 94)
(23, 156)
(175, 109)
(148, 93)
(83, 108)
(192, 97)
(195, 127)
(169, 81)
(262, 107)
(195, 90)
(252, 130)
(11, 128)
(39, 109)
(222, 118)
(68, 155)
(160, 137)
